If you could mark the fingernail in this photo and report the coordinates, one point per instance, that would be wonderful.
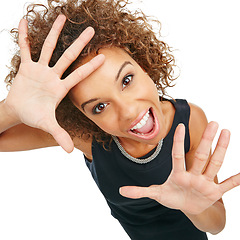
(89, 30)
(99, 59)
(181, 125)
(62, 17)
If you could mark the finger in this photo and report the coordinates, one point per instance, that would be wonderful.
(23, 41)
(63, 139)
(51, 40)
(59, 134)
(140, 192)
(178, 155)
(204, 149)
(217, 158)
(82, 72)
(230, 183)
(71, 54)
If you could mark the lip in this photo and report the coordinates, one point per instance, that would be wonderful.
(139, 118)
(155, 130)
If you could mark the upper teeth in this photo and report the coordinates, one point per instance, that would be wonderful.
(142, 122)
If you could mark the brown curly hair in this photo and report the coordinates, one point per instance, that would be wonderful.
(114, 26)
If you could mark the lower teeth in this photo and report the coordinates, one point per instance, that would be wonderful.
(137, 132)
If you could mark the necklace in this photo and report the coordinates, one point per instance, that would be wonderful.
(137, 160)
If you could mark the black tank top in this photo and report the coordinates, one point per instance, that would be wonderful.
(143, 219)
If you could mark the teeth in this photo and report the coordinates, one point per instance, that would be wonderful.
(142, 122)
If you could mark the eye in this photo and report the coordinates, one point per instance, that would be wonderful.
(99, 108)
(127, 80)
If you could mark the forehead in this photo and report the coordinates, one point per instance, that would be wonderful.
(112, 54)
(114, 58)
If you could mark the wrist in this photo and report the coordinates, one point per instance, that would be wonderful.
(8, 117)
(211, 220)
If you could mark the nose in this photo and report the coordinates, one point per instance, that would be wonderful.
(127, 109)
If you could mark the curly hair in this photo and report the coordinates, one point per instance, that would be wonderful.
(114, 26)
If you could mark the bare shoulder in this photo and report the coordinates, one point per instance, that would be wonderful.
(197, 124)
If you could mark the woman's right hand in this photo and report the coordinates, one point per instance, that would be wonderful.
(38, 89)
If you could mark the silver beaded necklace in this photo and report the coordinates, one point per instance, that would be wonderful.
(137, 160)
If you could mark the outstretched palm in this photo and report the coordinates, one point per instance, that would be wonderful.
(38, 89)
(191, 191)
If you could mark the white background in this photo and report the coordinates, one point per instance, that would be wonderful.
(48, 194)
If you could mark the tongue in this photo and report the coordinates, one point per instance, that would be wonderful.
(147, 127)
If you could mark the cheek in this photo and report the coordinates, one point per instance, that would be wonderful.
(110, 128)
(148, 87)
(151, 84)
(106, 123)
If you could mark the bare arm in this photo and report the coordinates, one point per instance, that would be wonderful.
(21, 137)
(15, 136)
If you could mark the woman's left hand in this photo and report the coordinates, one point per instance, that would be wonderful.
(191, 191)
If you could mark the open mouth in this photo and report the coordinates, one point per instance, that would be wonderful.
(147, 128)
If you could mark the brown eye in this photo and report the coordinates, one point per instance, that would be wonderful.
(99, 108)
(127, 80)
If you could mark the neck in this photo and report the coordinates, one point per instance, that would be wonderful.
(135, 148)
(136, 159)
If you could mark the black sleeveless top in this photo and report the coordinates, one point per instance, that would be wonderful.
(143, 219)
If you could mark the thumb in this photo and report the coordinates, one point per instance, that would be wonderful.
(63, 139)
(60, 135)
(140, 192)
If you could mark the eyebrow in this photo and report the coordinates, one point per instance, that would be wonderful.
(117, 76)
(121, 68)
(87, 102)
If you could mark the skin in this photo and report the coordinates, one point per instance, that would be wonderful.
(124, 100)
(192, 189)
(119, 105)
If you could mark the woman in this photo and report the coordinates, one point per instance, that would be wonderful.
(119, 95)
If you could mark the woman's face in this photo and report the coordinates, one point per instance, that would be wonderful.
(121, 99)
